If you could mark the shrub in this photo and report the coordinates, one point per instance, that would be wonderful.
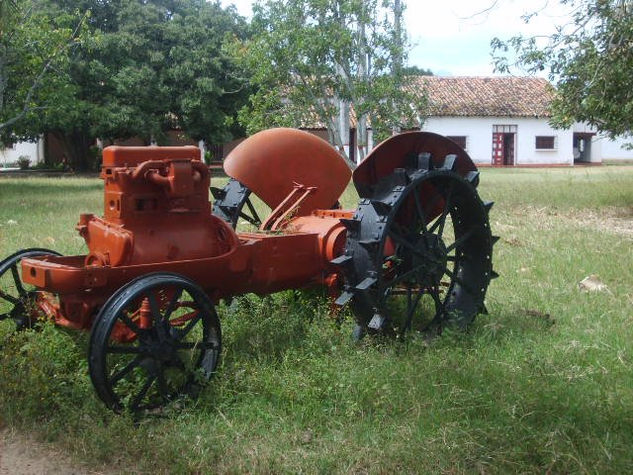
(24, 162)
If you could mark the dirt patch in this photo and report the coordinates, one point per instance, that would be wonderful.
(21, 455)
(611, 220)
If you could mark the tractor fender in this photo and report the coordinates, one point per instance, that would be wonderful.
(401, 151)
(271, 162)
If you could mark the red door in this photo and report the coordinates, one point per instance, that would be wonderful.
(497, 148)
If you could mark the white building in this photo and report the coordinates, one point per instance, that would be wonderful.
(34, 151)
(504, 121)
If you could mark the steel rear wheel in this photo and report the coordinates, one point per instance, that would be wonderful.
(234, 202)
(156, 339)
(419, 252)
(17, 299)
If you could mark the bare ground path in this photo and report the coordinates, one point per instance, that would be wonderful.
(22, 455)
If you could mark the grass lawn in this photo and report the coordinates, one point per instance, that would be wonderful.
(544, 382)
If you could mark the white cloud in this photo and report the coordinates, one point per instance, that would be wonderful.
(453, 37)
(433, 19)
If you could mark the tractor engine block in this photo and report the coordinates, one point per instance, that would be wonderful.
(156, 209)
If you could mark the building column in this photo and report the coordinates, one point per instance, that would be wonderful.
(202, 149)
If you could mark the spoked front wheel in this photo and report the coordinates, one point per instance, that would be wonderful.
(156, 339)
(17, 299)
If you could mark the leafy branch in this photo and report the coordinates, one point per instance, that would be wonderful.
(588, 59)
(52, 57)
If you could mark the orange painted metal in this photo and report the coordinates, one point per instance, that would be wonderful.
(398, 151)
(330, 232)
(271, 162)
(395, 151)
(118, 156)
(157, 217)
(288, 208)
(154, 211)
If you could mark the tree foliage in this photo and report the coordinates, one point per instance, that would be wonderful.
(590, 61)
(315, 61)
(144, 68)
(413, 70)
(34, 50)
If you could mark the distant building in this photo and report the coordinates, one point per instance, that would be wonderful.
(34, 151)
(503, 121)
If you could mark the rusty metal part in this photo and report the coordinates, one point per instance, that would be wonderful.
(156, 211)
(118, 156)
(148, 226)
(288, 208)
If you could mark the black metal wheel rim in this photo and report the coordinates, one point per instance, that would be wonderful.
(171, 357)
(17, 299)
(233, 202)
(419, 252)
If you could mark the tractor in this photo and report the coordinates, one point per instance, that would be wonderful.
(415, 255)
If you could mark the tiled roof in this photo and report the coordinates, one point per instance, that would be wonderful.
(484, 96)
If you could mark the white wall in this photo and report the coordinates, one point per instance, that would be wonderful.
(33, 150)
(478, 132)
(613, 149)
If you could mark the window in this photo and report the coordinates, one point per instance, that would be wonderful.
(545, 142)
(504, 129)
(458, 139)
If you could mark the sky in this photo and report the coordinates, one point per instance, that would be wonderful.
(452, 37)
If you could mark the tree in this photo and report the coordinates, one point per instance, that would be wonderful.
(590, 62)
(145, 68)
(34, 48)
(416, 71)
(316, 62)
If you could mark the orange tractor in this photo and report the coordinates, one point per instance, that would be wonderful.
(415, 255)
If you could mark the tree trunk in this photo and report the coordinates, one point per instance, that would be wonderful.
(398, 38)
(333, 126)
(363, 73)
(77, 150)
(3, 79)
(361, 138)
(398, 57)
(343, 125)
